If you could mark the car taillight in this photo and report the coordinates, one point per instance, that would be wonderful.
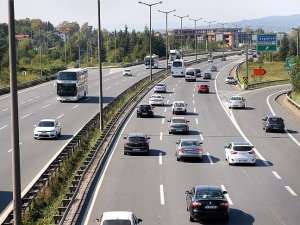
(181, 150)
(199, 150)
(127, 143)
(233, 152)
(224, 204)
(138, 110)
(251, 152)
(186, 126)
(195, 204)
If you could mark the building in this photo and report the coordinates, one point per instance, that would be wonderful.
(64, 36)
(21, 37)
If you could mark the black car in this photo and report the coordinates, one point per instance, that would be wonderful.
(207, 202)
(207, 75)
(198, 72)
(273, 123)
(144, 110)
(136, 143)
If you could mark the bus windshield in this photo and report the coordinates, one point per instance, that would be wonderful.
(67, 76)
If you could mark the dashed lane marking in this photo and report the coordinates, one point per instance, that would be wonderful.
(75, 106)
(4, 110)
(276, 175)
(165, 110)
(60, 116)
(162, 195)
(197, 121)
(289, 189)
(163, 121)
(26, 115)
(160, 136)
(227, 195)
(209, 158)
(10, 150)
(3, 127)
(201, 137)
(160, 159)
(194, 110)
(45, 106)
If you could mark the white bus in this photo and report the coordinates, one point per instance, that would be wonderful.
(72, 84)
(154, 60)
(178, 68)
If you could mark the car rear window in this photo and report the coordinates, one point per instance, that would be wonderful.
(236, 98)
(116, 222)
(190, 143)
(179, 105)
(204, 86)
(136, 139)
(177, 64)
(145, 106)
(190, 73)
(203, 194)
(242, 148)
(275, 120)
(178, 120)
(161, 85)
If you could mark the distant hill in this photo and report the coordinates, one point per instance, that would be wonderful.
(274, 23)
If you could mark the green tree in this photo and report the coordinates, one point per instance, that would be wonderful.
(3, 49)
(295, 76)
(284, 48)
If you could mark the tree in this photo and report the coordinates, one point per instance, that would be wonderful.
(3, 49)
(295, 76)
(284, 48)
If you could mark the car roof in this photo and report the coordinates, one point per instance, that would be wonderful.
(116, 215)
(178, 117)
(48, 120)
(144, 104)
(178, 102)
(208, 187)
(156, 95)
(190, 68)
(189, 139)
(274, 117)
(136, 135)
(241, 143)
(160, 84)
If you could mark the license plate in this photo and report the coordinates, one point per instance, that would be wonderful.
(178, 130)
(211, 207)
(144, 113)
(136, 149)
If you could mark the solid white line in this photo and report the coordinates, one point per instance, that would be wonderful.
(162, 196)
(161, 135)
(4, 110)
(193, 101)
(165, 110)
(75, 106)
(26, 115)
(60, 116)
(290, 190)
(45, 106)
(3, 127)
(227, 195)
(197, 121)
(201, 137)
(11, 148)
(194, 110)
(276, 175)
(160, 158)
(209, 158)
(163, 121)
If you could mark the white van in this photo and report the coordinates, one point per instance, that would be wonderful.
(178, 68)
(190, 74)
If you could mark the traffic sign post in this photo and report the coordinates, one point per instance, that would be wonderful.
(266, 42)
(259, 72)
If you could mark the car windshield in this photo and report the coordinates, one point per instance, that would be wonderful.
(46, 124)
(136, 139)
(236, 98)
(127, 71)
(116, 222)
(190, 73)
(275, 120)
(179, 104)
(160, 85)
(204, 194)
(156, 96)
(178, 120)
(229, 78)
(177, 64)
(189, 143)
(242, 148)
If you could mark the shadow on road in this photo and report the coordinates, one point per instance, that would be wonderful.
(5, 199)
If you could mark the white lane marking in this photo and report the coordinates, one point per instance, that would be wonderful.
(168, 101)
(173, 89)
(30, 100)
(87, 99)
(232, 118)
(44, 95)
(276, 175)
(4, 110)
(60, 116)
(50, 92)
(22, 103)
(194, 110)
(161, 135)
(107, 88)
(26, 115)
(193, 95)
(75, 106)
(176, 85)
(162, 195)
(163, 121)
(227, 195)
(86, 216)
(201, 137)
(117, 83)
(170, 95)
(193, 101)
(45, 106)
(209, 158)
(160, 159)
(124, 80)
(194, 89)
(165, 110)
(37, 97)
(10, 150)
(290, 190)
(197, 121)
(3, 127)
(106, 80)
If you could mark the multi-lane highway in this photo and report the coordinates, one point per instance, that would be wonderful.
(154, 186)
(38, 103)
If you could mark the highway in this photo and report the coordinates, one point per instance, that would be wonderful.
(39, 102)
(154, 186)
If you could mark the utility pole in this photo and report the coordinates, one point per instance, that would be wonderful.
(167, 36)
(196, 36)
(181, 17)
(16, 172)
(150, 6)
(41, 70)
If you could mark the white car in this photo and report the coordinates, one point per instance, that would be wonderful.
(237, 102)
(127, 72)
(230, 80)
(190, 74)
(118, 217)
(47, 128)
(160, 87)
(179, 107)
(156, 100)
(240, 152)
(210, 60)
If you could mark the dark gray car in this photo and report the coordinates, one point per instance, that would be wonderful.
(178, 125)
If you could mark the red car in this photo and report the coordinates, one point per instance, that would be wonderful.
(203, 88)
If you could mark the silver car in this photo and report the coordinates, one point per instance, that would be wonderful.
(160, 87)
(188, 148)
(178, 125)
(237, 102)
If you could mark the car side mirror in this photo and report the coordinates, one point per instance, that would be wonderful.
(201, 143)
(225, 146)
(139, 220)
(169, 121)
(187, 121)
(97, 221)
(187, 192)
(148, 137)
(176, 143)
(35, 125)
(124, 137)
(224, 192)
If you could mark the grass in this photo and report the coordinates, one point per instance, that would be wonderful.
(296, 97)
(275, 71)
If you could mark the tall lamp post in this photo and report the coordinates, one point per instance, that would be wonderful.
(209, 22)
(100, 69)
(297, 29)
(181, 17)
(16, 171)
(150, 6)
(196, 36)
(166, 13)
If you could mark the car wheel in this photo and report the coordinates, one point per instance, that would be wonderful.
(178, 159)
(125, 153)
(226, 218)
(35, 137)
(198, 92)
(192, 219)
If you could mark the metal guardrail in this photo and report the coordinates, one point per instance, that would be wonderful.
(291, 100)
(267, 83)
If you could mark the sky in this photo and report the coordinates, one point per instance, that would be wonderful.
(115, 14)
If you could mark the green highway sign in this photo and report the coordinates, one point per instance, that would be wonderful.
(266, 42)
(289, 63)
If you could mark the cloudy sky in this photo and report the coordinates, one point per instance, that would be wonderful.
(117, 13)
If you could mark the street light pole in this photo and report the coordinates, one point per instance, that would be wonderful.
(209, 22)
(150, 6)
(181, 17)
(16, 173)
(196, 41)
(297, 29)
(167, 33)
(101, 122)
